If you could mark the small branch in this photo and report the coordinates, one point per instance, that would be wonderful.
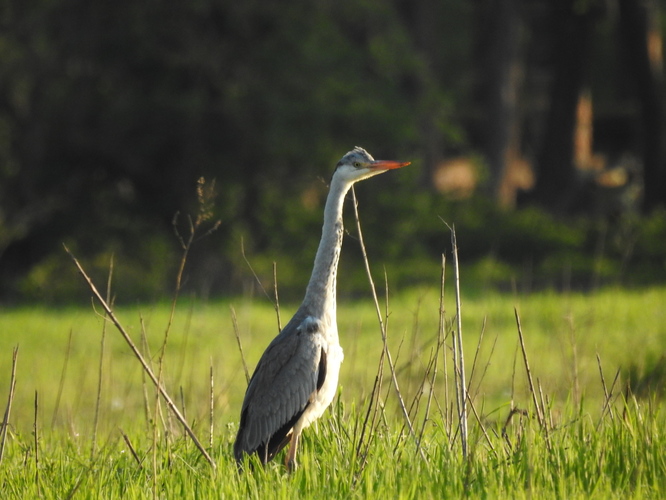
(143, 362)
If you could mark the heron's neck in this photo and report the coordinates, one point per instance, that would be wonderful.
(320, 293)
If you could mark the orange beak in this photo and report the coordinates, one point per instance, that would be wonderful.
(387, 164)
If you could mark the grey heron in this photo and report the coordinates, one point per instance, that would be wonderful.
(297, 376)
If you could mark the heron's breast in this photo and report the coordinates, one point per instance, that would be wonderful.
(323, 398)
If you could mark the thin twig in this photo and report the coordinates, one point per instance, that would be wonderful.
(382, 326)
(212, 406)
(61, 384)
(277, 298)
(36, 434)
(256, 278)
(539, 407)
(442, 335)
(234, 321)
(485, 368)
(143, 362)
(603, 380)
(481, 426)
(100, 373)
(431, 389)
(458, 354)
(146, 351)
(131, 448)
(533, 391)
(8, 408)
(374, 402)
(476, 354)
(607, 394)
(182, 402)
(514, 411)
(548, 423)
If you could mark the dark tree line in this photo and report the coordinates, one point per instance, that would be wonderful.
(538, 57)
(110, 112)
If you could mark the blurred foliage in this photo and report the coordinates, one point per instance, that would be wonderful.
(111, 111)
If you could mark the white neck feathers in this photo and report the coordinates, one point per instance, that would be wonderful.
(320, 293)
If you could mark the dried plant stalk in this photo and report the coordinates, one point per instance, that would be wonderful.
(162, 391)
(8, 408)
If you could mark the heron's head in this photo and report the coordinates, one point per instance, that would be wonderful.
(358, 164)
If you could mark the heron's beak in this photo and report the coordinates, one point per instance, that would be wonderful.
(387, 164)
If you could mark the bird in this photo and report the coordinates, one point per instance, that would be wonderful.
(296, 377)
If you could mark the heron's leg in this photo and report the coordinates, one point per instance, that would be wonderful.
(290, 459)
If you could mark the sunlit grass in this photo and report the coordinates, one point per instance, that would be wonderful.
(585, 454)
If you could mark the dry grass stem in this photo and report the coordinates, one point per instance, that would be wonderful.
(533, 391)
(458, 354)
(144, 386)
(481, 426)
(476, 354)
(182, 402)
(382, 325)
(432, 371)
(608, 394)
(61, 384)
(441, 339)
(8, 408)
(100, 371)
(212, 406)
(234, 321)
(277, 297)
(514, 411)
(485, 368)
(35, 428)
(374, 402)
(162, 391)
(131, 449)
(261, 286)
(538, 406)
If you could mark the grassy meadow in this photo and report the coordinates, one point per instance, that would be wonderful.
(84, 422)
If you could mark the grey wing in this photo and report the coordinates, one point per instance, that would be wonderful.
(289, 372)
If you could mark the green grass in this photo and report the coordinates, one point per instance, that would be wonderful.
(580, 453)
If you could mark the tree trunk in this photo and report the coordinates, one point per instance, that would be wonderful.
(556, 175)
(642, 45)
(500, 67)
(427, 39)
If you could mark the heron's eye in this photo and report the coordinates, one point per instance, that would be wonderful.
(357, 164)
